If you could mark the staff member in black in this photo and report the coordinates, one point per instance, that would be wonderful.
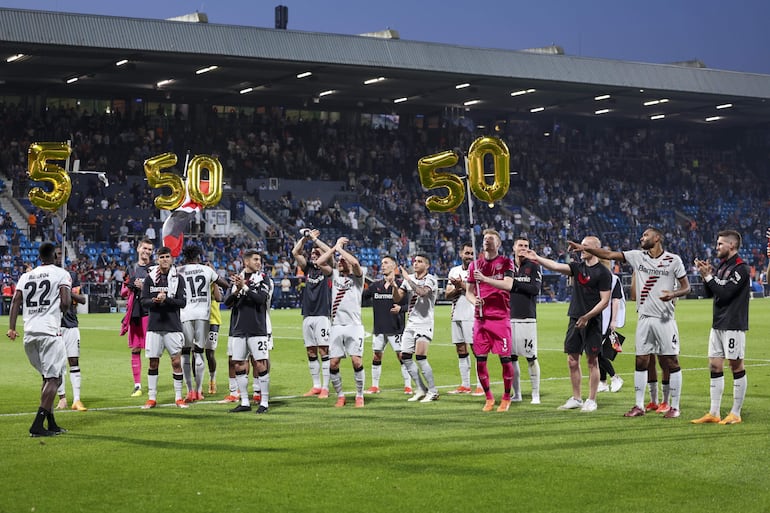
(730, 287)
(163, 297)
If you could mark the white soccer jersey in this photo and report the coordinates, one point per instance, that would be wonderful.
(420, 311)
(346, 299)
(197, 286)
(654, 275)
(462, 309)
(41, 303)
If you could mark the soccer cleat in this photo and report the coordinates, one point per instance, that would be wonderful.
(180, 403)
(430, 396)
(79, 406)
(324, 393)
(535, 399)
(262, 409)
(651, 406)
(240, 408)
(419, 394)
(489, 405)
(516, 398)
(372, 390)
(504, 405)
(62, 404)
(478, 392)
(731, 419)
(313, 391)
(672, 413)
(359, 401)
(572, 404)
(603, 387)
(256, 397)
(150, 403)
(460, 390)
(191, 396)
(57, 430)
(340, 402)
(589, 406)
(137, 391)
(230, 399)
(616, 383)
(663, 408)
(408, 390)
(634, 412)
(199, 396)
(708, 418)
(212, 387)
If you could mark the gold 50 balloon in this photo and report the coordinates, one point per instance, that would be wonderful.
(206, 193)
(489, 193)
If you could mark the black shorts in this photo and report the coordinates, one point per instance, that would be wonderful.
(587, 340)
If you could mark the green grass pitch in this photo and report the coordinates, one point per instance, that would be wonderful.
(391, 456)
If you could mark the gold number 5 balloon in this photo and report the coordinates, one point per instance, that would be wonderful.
(40, 169)
(430, 179)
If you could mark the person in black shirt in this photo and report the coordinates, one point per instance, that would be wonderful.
(249, 300)
(163, 297)
(592, 284)
(388, 322)
(730, 287)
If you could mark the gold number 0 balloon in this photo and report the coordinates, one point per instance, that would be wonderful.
(502, 158)
(156, 179)
(40, 169)
(430, 179)
(213, 193)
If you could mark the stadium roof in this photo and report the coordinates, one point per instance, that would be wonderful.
(261, 66)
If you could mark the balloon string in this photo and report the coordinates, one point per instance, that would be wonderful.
(473, 233)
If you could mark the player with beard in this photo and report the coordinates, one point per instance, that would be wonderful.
(316, 309)
(135, 320)
(658, 272)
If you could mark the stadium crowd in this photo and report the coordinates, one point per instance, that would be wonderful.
(572, 178)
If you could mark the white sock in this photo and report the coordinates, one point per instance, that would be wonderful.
(675, 387)
(716, 390)
(516, 379)
(360, 377)
(465, 370)
(152, 386)
(243, 387)
(640, 383)
(534, 376)
(427, 372)
(406, 376)
(200, 367)
(232, 386)
(264, 386)
(336, 380)
(177, 386)
(187, 370)
(739, 394)
(75, 380)
(325, 373)
(376, 373)
(315, 372)
(653, 386)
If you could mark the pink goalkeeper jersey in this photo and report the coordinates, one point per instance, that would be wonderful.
(497, 303)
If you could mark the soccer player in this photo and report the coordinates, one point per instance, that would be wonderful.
(163, 296)
(490, 279)
(45, 293)
(527, 280)
(316, 309)
(71, 337)
(197, 279)
(249, 300)
(347, 333)
(215, 319)
(658, 273)
(730, 287)
(388, 323)
(592, 284)
(462, 318)
(135, 321)
(422, 288)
